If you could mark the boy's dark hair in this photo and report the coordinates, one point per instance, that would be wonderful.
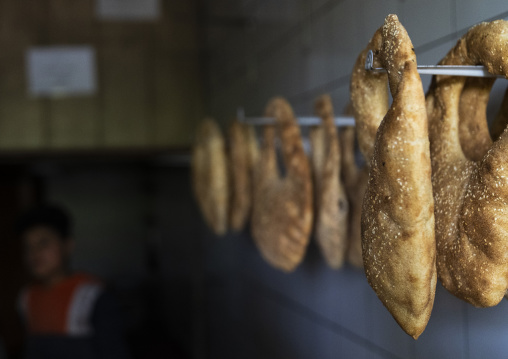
(51, 216)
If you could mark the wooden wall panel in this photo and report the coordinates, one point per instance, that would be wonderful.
(124, 85)
(22, 23)
(21, 123)
(178, 75)
(74, 121)
(148, 75)
(71, 22)
(179, 102)
(22, 119)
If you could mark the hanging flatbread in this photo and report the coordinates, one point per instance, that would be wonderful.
(282, 212)
(210, 176)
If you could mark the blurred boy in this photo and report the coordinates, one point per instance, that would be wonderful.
(67, 315)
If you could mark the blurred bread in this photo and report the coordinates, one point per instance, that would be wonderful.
(243, 154)
(210, 175)
(355, 182)
(332, 209)
(282, 211)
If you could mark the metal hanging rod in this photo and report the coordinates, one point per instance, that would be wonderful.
(340, 121)
(343, 121)
(451, 70)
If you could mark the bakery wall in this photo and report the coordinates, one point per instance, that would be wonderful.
(301, 49)
(149, 90)
(185, 292)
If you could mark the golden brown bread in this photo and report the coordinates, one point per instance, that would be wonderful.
(470, 197)
(369, 96)
(252, 149)
(355, 182)
(474, 134)
(243, 153)
(473, 128)
(331, 210)
(398, 214)
(210, 175)
(282, 211)
(369, 92)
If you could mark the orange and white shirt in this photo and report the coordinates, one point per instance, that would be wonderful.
(63, 309)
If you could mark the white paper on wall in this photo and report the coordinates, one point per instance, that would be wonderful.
(128, 10)
(60, 71)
